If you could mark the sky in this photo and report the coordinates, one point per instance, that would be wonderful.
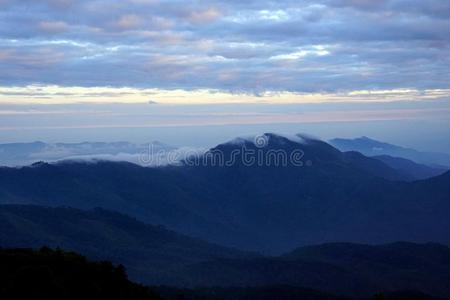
(137, 69)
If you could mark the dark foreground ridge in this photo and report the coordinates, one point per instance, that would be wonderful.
(148, 252)
(155, 256)
(56, 274)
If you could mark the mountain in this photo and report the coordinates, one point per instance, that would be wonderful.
(310, 150)
(371, 147)
(319, 195)
(148, 252)
(279, 292)
(409, 168)
(155, 256)
(17, 154)
(56, 274)
(395, 266)
(352, 270)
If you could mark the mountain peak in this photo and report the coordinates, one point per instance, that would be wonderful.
(269, 139)
(372, 147)
(39, 164)
(366, 138)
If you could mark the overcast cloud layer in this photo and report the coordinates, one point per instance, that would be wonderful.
(232, 46)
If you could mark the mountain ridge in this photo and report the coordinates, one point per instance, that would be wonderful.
(146, 250)
(268, 208)
(372, 147)
(154, 256)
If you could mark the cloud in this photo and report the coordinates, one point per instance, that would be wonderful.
(39, 94)
(360, 4)
(150, 154)
(129, 21)
(325, 46)
(53, 27)
(203, 16)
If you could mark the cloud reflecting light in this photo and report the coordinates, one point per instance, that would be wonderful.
(219, 51)
(36, 94)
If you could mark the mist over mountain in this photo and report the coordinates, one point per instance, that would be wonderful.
(319, 195)
(18, 154)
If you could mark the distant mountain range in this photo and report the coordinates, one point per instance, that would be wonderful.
(234, 222)
(410, 162)
(155, 256)
(332, 196)
(147, 251)
(17, 154)
(279, 292)
(352, 270)
(371, 147)
(409, 168)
